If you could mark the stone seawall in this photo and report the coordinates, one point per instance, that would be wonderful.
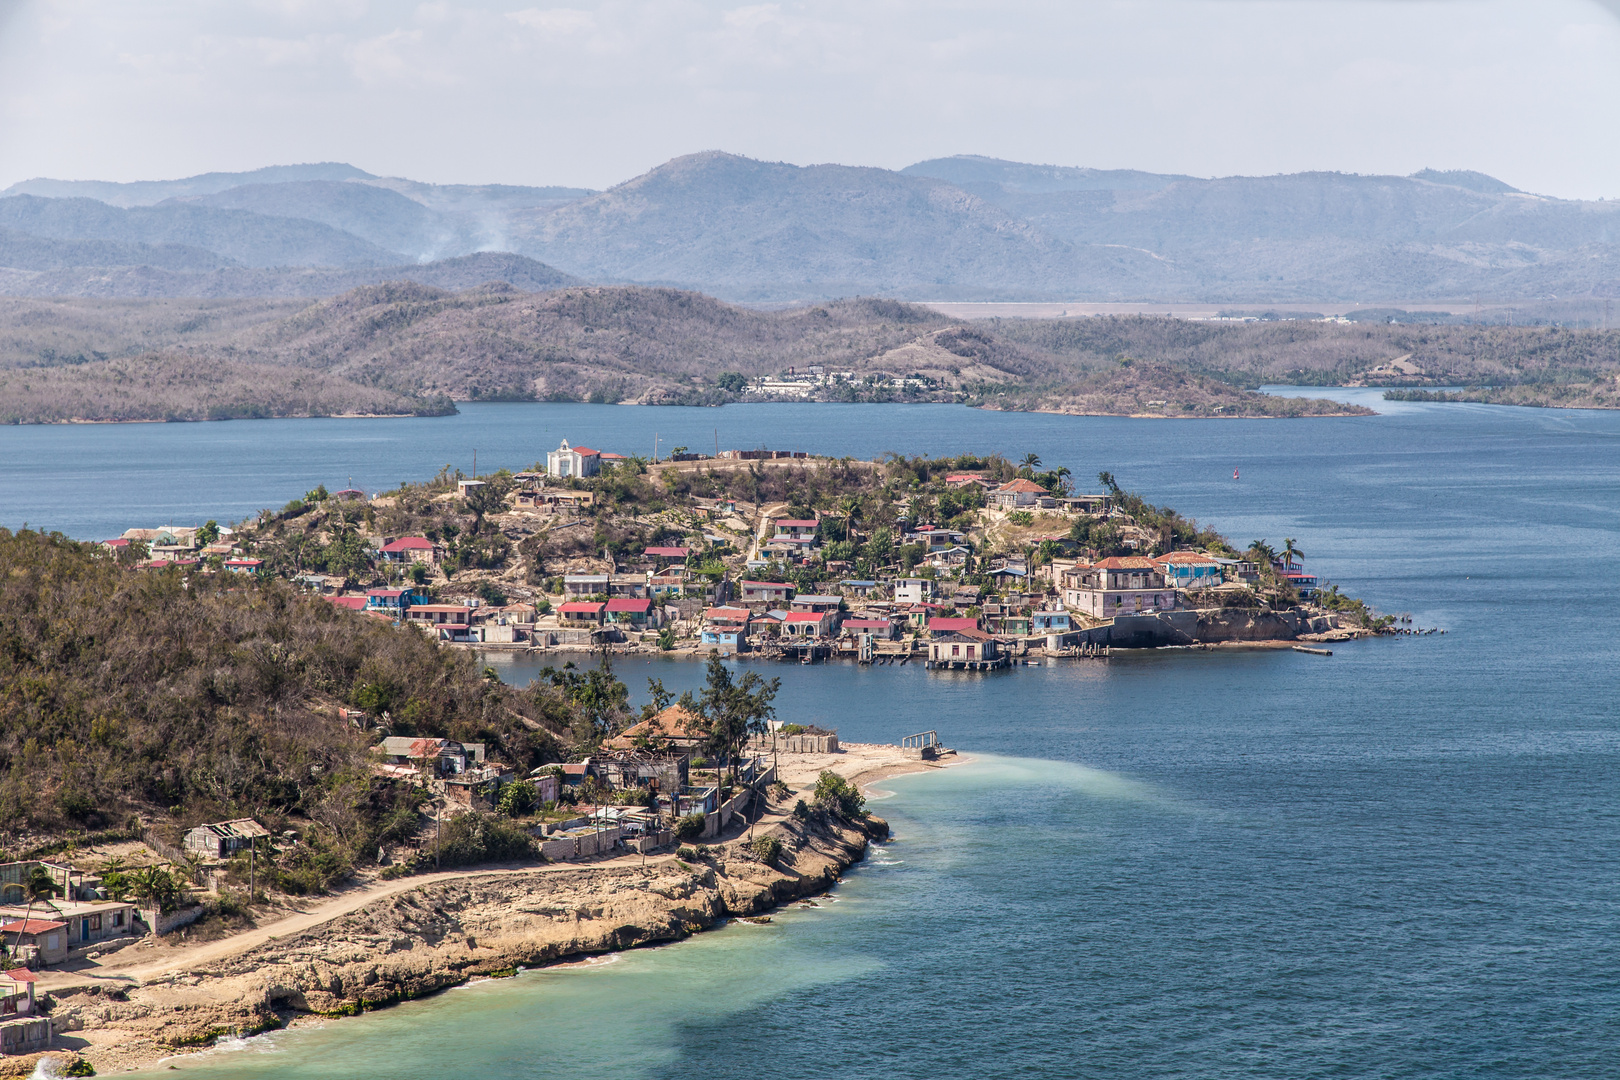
(1204, 626)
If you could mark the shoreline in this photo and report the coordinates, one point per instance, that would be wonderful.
(388, 942)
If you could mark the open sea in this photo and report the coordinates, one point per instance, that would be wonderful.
(1400, 861)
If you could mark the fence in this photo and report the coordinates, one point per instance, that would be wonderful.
(580, 844)
(160, 847)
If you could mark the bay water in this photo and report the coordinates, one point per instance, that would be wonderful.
(1400, 861)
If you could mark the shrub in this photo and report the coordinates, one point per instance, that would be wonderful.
(690, 827)
(836, 793)
(767, 849)
(686, 853)
(780, 790)
(517, 798)
(791, 729)
(801, 811)
(469, 839)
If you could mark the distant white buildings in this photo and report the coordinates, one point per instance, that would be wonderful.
(573, 461)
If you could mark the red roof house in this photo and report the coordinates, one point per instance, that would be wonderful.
(411, 549)
(952, 626)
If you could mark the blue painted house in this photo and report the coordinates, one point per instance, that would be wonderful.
(1050, 622)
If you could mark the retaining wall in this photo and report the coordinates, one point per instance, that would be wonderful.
(26, 1036)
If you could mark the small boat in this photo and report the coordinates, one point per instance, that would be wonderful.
(1234, 474)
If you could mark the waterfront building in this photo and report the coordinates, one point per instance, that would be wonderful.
(966, 648)
(1121, 585)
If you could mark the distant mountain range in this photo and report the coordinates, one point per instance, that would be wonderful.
(962, 228)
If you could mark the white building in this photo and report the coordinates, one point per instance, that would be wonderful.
(913, 591)
(573, 461)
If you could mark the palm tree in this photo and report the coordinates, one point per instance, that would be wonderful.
(850, 507)
(1289, 551)
(1031, 461)
(38, 886)
(1263, 552)
(1062, 473)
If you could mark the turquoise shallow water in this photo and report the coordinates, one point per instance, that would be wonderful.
(1395, 862)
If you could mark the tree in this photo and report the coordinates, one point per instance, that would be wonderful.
(489, 499)
(1289, 551)
(1106, 479)
(208, 533)
(734, 382)
(658, 699)
(38, 886)
(517, 798)
(155, 886)
(849, 507)
(732, 710)
(835, 793)
(1031, 462)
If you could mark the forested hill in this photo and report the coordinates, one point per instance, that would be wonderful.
(146, 695)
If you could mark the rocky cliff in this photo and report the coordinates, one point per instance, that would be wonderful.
(419, 942)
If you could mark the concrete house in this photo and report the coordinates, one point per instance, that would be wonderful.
(391, 601)
(449, 622)
(632, 614)
(810, 624)
(1020, 494)
(726, 628)
(765, 592)
(412, 549)
(48, 938)
(914, 590)
(1121, 585)
(16, 993)
(1189, 570)
(581, 613)
(971, 649)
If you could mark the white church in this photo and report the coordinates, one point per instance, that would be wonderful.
(573, 461)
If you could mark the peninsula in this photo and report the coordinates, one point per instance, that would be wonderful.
(206, 731)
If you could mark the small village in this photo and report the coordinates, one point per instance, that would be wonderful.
(1010, 569)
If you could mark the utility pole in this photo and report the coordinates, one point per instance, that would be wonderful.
(253, 868)
(438, 831)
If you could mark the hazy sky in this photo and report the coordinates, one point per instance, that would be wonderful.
(594, 93)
